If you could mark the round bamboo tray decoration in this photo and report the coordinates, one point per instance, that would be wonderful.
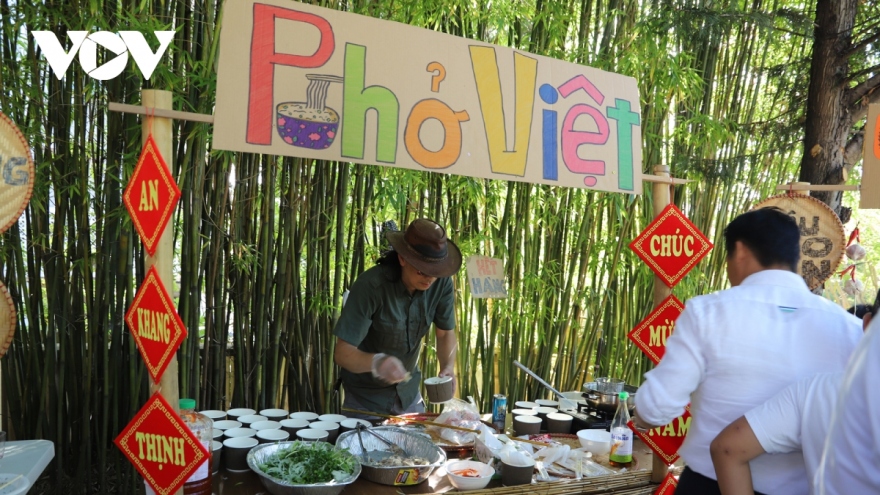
(16, 173)
(7, 320)
(823, 241)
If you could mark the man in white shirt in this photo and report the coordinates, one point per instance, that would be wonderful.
(734, 349)
(851, 459)
(796, 419)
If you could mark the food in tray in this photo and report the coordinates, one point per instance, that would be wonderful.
(307, 463)
(397, 460)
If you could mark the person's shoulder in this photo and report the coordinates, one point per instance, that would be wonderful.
(708, 300)
(373, 277)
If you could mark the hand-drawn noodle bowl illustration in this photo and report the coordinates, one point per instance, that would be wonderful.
(309, 124)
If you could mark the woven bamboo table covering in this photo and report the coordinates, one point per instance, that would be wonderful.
(7, 319)
(16, 173)
(823, 240)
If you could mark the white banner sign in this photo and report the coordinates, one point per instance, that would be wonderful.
(300, 80)
(486, 277)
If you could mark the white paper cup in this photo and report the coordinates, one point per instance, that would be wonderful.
(214, 414)
(306, 415)
(547, 403)
(236, 452)
(526, 425)
(440, 389)
(216, 455)
(266, 425)
(351, 424)
(217, 434)
(272, 436)
(525, 404)
(240, 432)
(516, 475)
(239, 411)
(226, 424)
(293, 425)
(248, 419)
(559, 423)
(330, 427)
(335, 418)
(310, 435)
(523, 412)
(275, 414)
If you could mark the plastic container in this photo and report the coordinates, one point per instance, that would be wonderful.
(202, 427)
(200, 483)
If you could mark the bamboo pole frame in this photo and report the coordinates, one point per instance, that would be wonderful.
(160, 128)
(807, 187)
(662, 197)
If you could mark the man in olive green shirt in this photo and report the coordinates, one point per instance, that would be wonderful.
(389, 310)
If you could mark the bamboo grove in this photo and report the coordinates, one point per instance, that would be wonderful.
(265, 246)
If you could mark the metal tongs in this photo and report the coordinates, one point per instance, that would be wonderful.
(376, 456)
(563, 400)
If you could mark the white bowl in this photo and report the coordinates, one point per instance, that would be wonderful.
(307, 415)
(266, 425)
(595, 441)
(468, 483)
(334, 418)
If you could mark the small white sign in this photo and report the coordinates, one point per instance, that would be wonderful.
(486, 277)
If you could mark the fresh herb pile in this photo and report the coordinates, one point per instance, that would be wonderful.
(306, 463)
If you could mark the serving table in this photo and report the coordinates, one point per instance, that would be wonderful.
(634, 482)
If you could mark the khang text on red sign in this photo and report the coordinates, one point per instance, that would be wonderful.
(155, 325)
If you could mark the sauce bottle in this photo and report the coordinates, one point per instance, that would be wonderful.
(621, 435)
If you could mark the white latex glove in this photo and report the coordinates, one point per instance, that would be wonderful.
(388, 368)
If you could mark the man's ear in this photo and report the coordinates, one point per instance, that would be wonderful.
(866, 320)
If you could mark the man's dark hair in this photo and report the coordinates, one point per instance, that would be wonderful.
(876, 308)
(771, 234)
(391, 262)
(859, 310)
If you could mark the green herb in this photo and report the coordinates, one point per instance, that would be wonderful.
(306, 463)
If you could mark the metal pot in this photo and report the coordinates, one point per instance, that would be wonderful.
(608, 402)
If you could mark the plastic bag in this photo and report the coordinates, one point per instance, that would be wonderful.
(457, 412)
(514, 456)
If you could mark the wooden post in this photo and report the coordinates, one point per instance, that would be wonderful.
(162, 260)
(662, 198)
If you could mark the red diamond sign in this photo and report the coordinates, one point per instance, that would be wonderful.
(651, 333)
(671, 245)
(161, 447)
(155, 325)
(666, 440)
(667, 487)
(151, 195)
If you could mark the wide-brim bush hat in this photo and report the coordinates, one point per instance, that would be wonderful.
(424, 245)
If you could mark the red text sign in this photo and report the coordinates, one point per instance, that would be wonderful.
(671, 245)
(161, 447)
(666, 440)
(150, 196)
(651, 333)
(155, 325)
(667, 487)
